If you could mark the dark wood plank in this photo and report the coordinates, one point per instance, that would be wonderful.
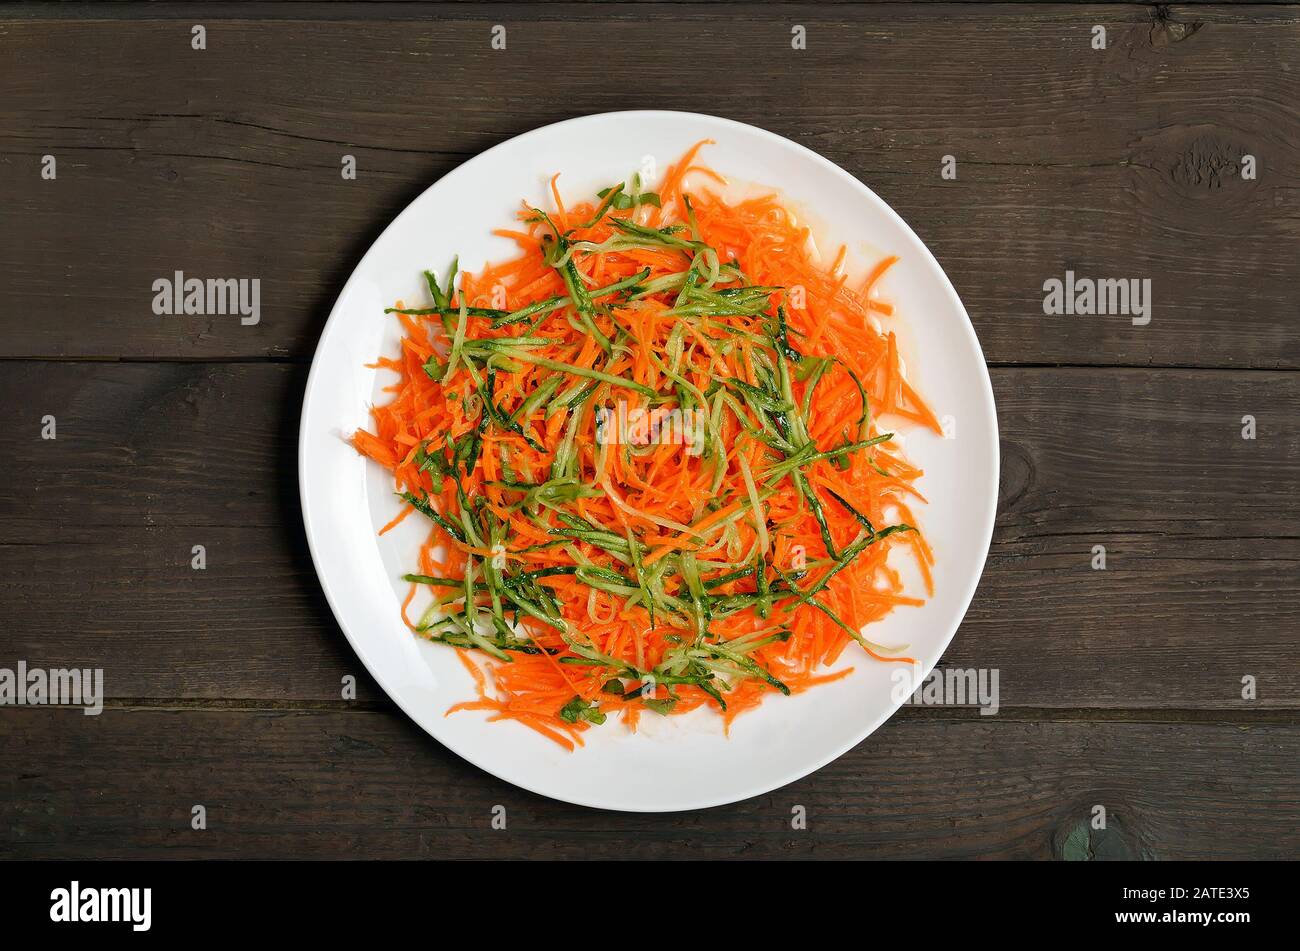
(1120, 163)
(353, 785)
(1201, 527)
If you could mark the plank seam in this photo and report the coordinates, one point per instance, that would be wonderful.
(1285, 716)
(255, 359)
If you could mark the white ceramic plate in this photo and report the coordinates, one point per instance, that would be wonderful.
(673, 762)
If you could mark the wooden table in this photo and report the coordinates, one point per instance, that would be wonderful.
(1120, 687)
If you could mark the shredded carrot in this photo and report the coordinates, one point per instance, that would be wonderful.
(653, 483)
(401, 516)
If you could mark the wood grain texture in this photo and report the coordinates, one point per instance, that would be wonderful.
(1119, 163)
(1119, 688)
(354, 785)
(1202, 531)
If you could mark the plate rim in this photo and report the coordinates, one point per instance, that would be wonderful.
(986, 395)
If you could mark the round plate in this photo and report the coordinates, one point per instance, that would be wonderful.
(672, 763)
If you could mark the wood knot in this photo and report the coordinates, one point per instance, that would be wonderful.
(1166, 32)
(1016, 475)
(1207, 162)
(1098, 836)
